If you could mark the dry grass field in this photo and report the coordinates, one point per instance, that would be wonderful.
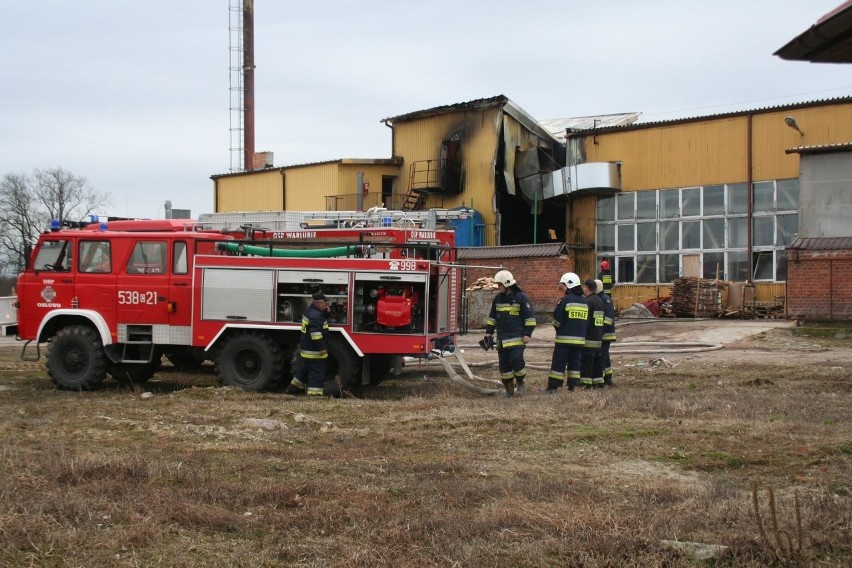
(748, 448)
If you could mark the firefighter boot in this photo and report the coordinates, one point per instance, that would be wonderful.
(509, 385)
(552, 386)
(573, 384)
(521, 388)
(608, 380)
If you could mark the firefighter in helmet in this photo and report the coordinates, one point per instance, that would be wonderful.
(570, 319)
(312, 348)
(605, 276)
(608, 333)
(513, 317)
(591, 368)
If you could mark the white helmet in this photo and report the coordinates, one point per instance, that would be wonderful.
(570, 280)
(598, 286)
(505, 278)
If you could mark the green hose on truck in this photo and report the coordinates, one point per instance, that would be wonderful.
(257, 250)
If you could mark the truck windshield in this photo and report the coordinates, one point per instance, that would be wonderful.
(54, 255)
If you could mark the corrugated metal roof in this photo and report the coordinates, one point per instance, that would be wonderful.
(762, 110)
(509, 107)
(822, 243)
(512, 251)
(396, 161)
(820, 149)
(558, 126)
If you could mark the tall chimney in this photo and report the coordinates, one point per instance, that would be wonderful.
(248, 83)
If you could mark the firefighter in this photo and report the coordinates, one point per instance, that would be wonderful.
(570, 319)
(591, 370)
(608, 333)
(312, 348)
(514, 319)
(605, 276)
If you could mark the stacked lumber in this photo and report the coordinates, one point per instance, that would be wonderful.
(486, 283)
(697, 297)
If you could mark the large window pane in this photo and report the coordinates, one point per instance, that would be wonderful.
(738, 266)
(788, 194)
(669, 267)
(606, 238)
(714, 265)
(606, 209)
(669, 236)
(646, 236)
(626, 273)
(714, 200)
(691, 201)
(763, 269)
(738, 232)
(646, 269)
(763, 231)
(626, 240)
(737, 198)
(626, 204)
(669, 203)
(691, 237)
(646, 204)
(714, 234)
(764, 196)
(781, 265)
(788, 225)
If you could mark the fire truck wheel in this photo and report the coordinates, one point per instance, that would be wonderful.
(133, 373)
(250, 361)
(343, 367)
(76, 359)
(380, 366)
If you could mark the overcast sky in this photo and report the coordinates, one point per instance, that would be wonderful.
(134, 95)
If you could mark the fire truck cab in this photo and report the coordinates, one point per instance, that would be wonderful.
(113, 299)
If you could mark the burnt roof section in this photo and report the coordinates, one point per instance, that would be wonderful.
(827, 41)
(513, 251)
(676, 121)
(820, 149)
(822, 243)
(502, 101)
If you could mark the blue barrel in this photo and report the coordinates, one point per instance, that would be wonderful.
(470, 232)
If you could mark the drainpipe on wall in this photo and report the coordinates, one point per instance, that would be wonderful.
(750, 196)
(283, 190)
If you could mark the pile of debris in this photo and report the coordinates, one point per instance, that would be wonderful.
(485, 283)
(697, 297)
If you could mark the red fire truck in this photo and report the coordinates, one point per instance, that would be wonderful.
(114, 298)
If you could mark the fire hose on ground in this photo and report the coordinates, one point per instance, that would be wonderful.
(630, 347)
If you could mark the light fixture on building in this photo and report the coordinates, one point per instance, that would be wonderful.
(791, 122)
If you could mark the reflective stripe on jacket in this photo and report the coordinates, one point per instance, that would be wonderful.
(513, 317)
(312, 344)
(570, 318)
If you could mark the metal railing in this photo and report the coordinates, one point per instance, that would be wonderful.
(349, 201)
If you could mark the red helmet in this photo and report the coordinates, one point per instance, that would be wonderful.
(604, 265)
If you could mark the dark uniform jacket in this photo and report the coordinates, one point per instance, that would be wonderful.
(609, 317)
(570, 318)
(594, 331)
(312, 344)
(608, 280)
(513, 317)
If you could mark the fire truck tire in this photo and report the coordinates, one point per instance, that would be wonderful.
(250, 361)
(76, 358)
(343, 368)
(133, 373)
(380, 366)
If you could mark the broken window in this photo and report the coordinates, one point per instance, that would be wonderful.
(626, 272)
(646, 269)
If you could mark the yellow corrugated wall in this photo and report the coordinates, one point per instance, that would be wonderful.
(582, 225)
(307, 186)
(714, 150)
(373, 174)
(257, 192)
(478, 130)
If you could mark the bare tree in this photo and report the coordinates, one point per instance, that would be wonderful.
(28, 203)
